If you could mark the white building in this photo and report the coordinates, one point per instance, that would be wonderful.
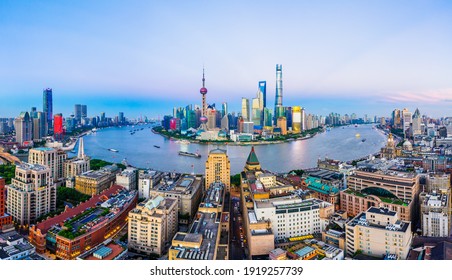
(146, 181)
(378, 232)
(290, 216)
(435, 216)
(128, 178)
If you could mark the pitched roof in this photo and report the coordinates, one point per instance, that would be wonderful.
(252, 158)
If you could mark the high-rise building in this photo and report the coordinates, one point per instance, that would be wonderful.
(5, 219)
(296, 119)
(417, 122)
(39, 126)
(121, 117)
(48, 108)
(78, 112)
(224, 109)
(263, 92)
(84, 111)
(256, 112)
(31, 194)
(23, 125)
(152, 224)
(203, 92)
(245, 109)
(218, 168)
(282, 123)
(279, 109)
(58, 127)
(53, 159)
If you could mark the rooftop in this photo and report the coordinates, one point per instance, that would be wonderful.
(361, 220)
(12, 244)
(316, 184)
(382, 211)
(91, 218)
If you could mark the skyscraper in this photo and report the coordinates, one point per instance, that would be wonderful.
(296, 119)
(224, 109)
(84, 111)
(218, 168)
(279, 109)
(24, 128)
(245, 109)
(203, 91)
(58, 127)
(263, 91)
(78, 112)
(48, 108)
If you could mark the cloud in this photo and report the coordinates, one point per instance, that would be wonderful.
(433, 96)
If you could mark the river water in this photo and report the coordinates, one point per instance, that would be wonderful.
(339, 143)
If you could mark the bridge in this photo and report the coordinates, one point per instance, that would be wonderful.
(9, 158)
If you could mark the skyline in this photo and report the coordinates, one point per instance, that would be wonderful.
(397, 56)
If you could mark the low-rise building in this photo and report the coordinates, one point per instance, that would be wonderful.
(14, 247)
(147, 179)
(76, 231)
(128, 178)
(107, 250)
(378, 232)
(291, 216)
(5, 219)
(187, 189)
(208, 236)
(152, 225)
(95, 181)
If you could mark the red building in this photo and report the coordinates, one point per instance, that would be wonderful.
(58, 126)
(5, 219)
(79, 229)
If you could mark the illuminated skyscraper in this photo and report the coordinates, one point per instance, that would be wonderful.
(48, 108)
(279, 109)
(58, 127)
(296, 119)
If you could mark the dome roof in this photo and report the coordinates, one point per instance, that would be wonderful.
(221, 133)
(407, 145)
(203, 90)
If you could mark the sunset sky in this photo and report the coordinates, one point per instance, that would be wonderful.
(146, 57)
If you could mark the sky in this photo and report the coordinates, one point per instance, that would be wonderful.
(146, 57)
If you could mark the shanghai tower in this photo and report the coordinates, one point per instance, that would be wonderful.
(279, 109)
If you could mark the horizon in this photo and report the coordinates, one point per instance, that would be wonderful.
(396, 57)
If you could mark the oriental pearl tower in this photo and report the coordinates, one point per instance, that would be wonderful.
(203, 91)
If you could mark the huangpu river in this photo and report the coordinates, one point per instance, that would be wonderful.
(139, 149)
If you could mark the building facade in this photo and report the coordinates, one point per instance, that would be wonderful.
(218, 168)
(152, 224)
(378, 232)
(31, 194)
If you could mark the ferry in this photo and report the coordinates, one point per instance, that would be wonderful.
(189, 154)
(113, 150)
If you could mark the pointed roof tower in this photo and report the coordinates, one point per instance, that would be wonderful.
(81, 149)
(416, 114)
(252, 163)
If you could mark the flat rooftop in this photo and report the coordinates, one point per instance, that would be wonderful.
(361, 220)
(381, 211)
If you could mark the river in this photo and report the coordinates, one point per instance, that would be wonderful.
(339, 143)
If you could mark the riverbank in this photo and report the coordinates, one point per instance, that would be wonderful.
(307, 135)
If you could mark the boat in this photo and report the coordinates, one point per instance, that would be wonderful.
(189, 154)
(113, 150)
(157, 146)
(363, 140)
